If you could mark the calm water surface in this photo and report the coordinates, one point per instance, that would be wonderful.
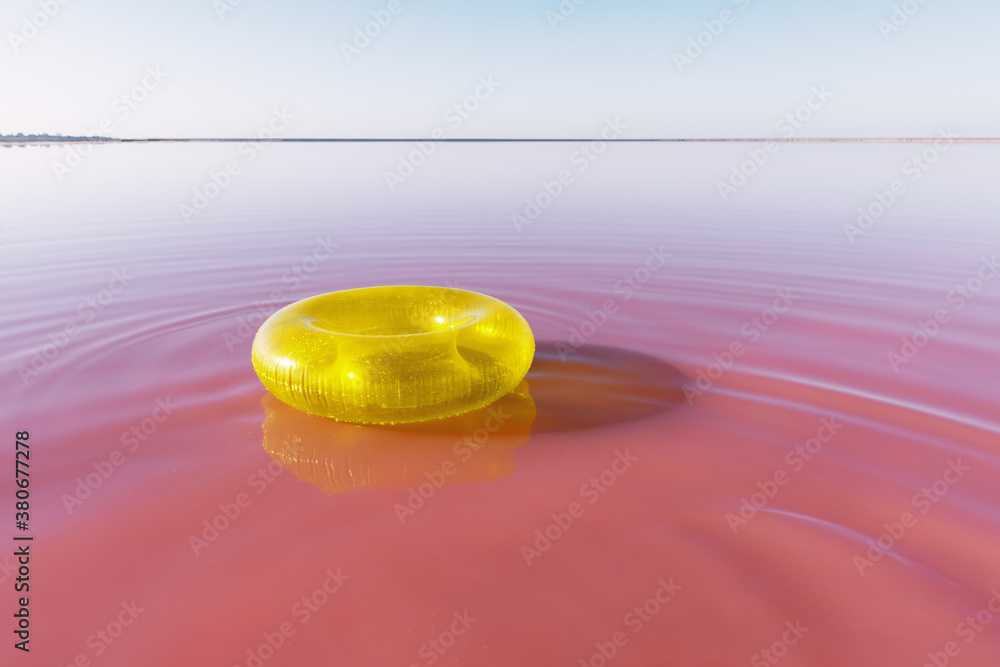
(747, 438)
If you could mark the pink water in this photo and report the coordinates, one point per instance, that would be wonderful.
(706, 476)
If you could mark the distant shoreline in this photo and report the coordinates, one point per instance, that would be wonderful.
(29, 139)
(47, 140)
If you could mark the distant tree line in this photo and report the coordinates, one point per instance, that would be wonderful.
(20, 138)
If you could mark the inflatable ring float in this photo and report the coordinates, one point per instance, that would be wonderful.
(385, 355)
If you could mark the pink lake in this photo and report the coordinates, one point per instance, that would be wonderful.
(750, 436)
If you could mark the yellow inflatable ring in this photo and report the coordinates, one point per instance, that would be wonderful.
(384, 355)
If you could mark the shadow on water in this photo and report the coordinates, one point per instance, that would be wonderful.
(599, 386)
(593, 387)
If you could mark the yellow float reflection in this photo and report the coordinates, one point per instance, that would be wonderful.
(590, 388)
(339, 456)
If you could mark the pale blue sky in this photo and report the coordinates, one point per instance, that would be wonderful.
(223, 75)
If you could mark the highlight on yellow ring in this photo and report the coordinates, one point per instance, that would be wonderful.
(383, 355)
(338, 457)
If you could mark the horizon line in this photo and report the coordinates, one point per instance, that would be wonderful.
(8, 139)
